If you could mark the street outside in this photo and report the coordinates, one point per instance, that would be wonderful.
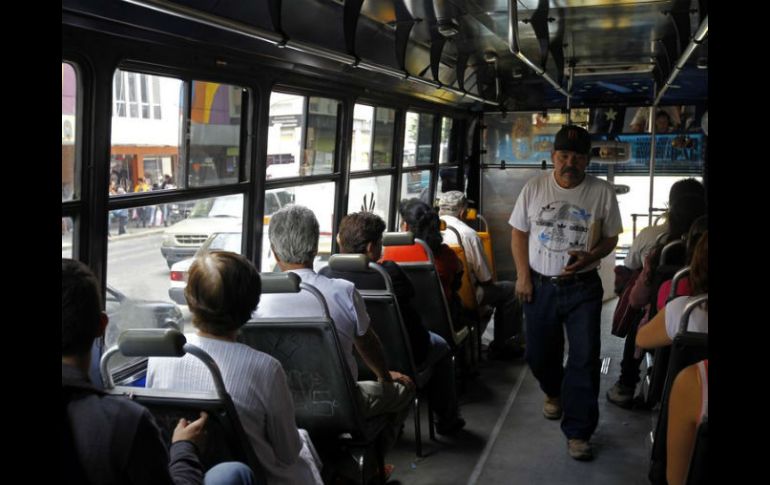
(135, 266)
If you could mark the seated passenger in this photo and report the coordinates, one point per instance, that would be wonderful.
(499, 294)
(419, 218)
(361, 233)
(662, 329)
(293, 233)
(697, 229)
(222, 290)
(686, 203)
(111, 439)
(687, 407)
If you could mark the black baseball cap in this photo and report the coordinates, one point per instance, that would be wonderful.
(573, 138)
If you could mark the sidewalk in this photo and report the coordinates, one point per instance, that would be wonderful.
(131, 233)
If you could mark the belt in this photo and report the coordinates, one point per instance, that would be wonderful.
(565, 279)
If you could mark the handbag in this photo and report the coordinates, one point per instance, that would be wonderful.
(625, 316)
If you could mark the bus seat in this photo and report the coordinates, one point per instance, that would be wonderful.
(226, 440)
(697, 474)
(686, 349)
(386, 319)
(486, 238)
(652, 385)
(467, 292)
(324, 393)
(431, 302)
(401, 247)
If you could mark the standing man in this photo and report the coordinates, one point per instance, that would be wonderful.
(564, 223)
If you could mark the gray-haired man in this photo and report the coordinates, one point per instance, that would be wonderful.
(293, 234)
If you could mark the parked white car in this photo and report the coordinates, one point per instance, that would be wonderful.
(231, 241)
(224, 241)
(209, 216)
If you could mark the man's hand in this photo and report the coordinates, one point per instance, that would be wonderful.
(191, 431)
(524, 289)
(577, 261)
(401, 378)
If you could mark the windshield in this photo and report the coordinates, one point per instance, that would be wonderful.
(224, 241)
(227, 206)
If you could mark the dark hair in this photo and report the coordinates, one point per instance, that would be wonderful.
(359, 229)
(699, 267)
(663, 113)
(423, 221)
(222, 291)
(683, 211)
(698, 227)
(684, 187)
(81, 307)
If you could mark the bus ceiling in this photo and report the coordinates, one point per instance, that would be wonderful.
(475, 54)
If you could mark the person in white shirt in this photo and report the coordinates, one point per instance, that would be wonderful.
(293, 234)
(564, 222)
(499, 294)
(222, 291)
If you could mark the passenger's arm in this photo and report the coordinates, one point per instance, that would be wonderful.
(520, 251)
(654, 335)
(683, 412)
(480, 266)
(184, 466)
(369, 347)
(149, 458)
(280, 423)
(584, 258)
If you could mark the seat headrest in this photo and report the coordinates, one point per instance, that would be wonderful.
(286, 282)
(397, 239)
(152, 342)
(349, 262)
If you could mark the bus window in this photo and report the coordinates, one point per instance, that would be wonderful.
(215, 126)
(145, 126)
(69, 102)
(446, 128)
(304, 145)
(418, 139)
(370, 194)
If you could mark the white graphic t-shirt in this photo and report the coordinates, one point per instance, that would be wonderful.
(559, 220)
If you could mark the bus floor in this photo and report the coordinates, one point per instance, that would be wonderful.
(508, 441)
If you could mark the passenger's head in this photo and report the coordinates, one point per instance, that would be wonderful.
(452, 203)
(697, 228)
(422, 220)
(361, 233)
(683, 211)
(82, 319)
(699, 266)
(222, 291)
(293, 233)
(662, 122)
(570, 156)
(684, 187)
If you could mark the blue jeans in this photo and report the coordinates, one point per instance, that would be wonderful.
(502, 296)
(441, 386)
(577, 305)
(230, 473)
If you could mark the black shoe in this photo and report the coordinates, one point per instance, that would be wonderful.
(621, 395)
(504, 352)
(450, 427)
